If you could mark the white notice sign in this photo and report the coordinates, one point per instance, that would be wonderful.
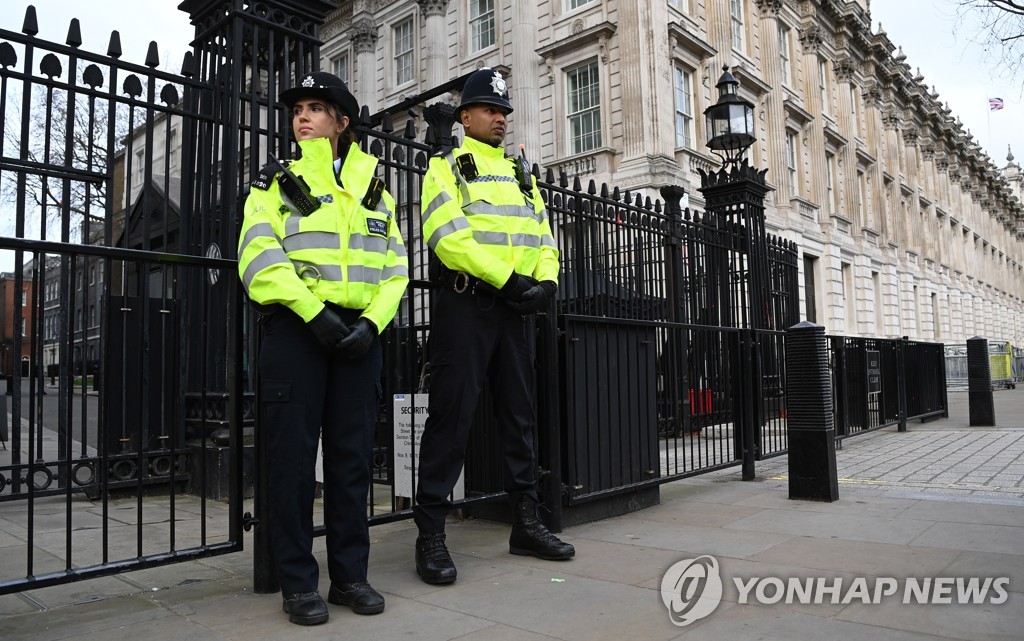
(411, 410)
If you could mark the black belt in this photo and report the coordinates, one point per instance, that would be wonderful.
(463, 283)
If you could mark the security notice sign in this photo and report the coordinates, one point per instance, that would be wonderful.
(410, 416)
(874, 369)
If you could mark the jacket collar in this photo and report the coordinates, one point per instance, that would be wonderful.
(476, 147)
(317, 151)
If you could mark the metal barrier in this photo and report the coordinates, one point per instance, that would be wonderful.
(878, 383)
(1001, 363)
(1005, 361)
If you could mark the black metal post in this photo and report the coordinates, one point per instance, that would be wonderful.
(548, 415)
(901, 366)
(812, 442)
(735, 199)
(750, 399)
(979, 383)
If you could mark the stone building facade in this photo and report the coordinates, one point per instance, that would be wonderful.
(906, 227)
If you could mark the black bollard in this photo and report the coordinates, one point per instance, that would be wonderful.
(979, 383)
(810, 424)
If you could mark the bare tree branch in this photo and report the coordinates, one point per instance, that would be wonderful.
(1000, 32)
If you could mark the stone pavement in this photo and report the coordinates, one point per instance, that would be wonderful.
(939, 502)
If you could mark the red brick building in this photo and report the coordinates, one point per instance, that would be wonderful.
(11, 324)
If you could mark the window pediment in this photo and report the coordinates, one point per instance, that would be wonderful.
(680, 35)
(599, 32)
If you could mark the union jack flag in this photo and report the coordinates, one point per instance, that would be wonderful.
(995, 104)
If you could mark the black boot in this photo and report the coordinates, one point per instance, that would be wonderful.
(360, 596)
(531, 538)
(433, 563)
(305, 608)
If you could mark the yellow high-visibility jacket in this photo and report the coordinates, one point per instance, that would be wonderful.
(342, 253)
(485, 225)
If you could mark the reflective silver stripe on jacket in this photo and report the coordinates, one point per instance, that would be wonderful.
(485, 208)
(311, 240)
(447, 229)
(459, 178)
(548, 241)
(327, 272)
(267, 258)
(435, 204)
(363, 274)
(291, 225)
(501, 238)
(392, 272)
(374, 244)
(259, 230)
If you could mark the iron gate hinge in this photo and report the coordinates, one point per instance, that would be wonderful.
(248, 521)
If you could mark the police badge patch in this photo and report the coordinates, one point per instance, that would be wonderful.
(498, 84)
(377, 227)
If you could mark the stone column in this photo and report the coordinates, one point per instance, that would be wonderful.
(364, 41)
(810, 42)
(648, 143)
(435, 44)
(774, 111)
(525, 78)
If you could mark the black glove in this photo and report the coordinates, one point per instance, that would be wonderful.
(536, 298)
(359, 340)
(516, 286)
(328, 328)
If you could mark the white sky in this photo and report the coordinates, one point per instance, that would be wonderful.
(942, 46)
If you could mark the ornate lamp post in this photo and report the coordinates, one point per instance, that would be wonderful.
(730, 121)
(734, 198)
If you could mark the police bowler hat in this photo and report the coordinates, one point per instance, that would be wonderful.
(323, 86)
(484, 86)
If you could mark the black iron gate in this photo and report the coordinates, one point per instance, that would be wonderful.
(124, 363)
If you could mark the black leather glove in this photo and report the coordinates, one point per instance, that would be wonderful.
(359, 340)
(516, 286)
(536, 298)
(328, 328)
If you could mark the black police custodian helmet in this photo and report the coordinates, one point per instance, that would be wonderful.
(484, 86)
(323, 86)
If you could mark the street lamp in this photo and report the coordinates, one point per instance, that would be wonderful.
(730, 121)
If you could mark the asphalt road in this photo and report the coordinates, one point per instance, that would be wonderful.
(79, 411)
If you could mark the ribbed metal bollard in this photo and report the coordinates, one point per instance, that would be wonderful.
(979, 383)
(811, 427)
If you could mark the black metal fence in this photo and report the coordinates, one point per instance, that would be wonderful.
(883, 382)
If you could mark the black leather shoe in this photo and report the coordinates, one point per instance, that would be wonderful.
(433, 563)
(359, 596)
(530, 537)
(305, 608)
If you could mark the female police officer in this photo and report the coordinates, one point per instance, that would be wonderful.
(321, 255)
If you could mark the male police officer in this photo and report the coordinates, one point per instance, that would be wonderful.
(497, 264)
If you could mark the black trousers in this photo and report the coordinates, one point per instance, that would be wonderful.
(474, 339)
(306, 393)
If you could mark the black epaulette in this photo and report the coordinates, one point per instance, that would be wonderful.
(374, 191)
(467, 166)
(266, 175)
(442, 151)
